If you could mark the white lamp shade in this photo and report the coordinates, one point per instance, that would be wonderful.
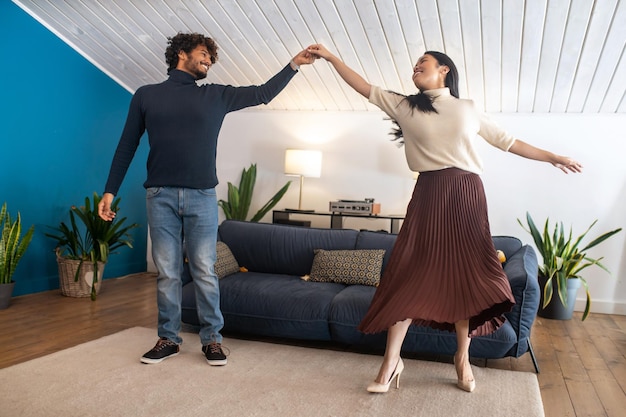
(303, 162)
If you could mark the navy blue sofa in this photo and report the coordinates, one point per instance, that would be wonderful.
(272, 299)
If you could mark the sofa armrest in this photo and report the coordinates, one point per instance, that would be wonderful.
(507, 244)
(521, 269)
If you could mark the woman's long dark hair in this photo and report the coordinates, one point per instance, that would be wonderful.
(422, 102)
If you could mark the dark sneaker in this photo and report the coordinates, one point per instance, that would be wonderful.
(214, 354)
(164, 349)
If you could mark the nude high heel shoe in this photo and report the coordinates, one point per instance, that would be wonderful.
(382, 388)
(468, 386)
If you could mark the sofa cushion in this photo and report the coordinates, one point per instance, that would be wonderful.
(346, 312)
(276, 305)
(377, 240)
(347, 266)
(281, 249)
(225, 264)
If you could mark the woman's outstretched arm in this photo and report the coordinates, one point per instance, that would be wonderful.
(564, 163)
(353, 79)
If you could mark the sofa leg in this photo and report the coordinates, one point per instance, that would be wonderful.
(532, 355)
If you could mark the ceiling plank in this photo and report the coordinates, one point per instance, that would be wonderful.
(338, 42)
(491, 23)
(576, 27)
(532, 41)
(472, 52)
(512, 27)
(606, 72)
(428, 13)
(400, 61)
(556, 21)
(451, 29)
(600, 23)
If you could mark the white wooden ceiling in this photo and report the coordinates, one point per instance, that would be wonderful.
(513, 55)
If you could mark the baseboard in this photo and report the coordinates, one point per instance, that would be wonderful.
(602, 307)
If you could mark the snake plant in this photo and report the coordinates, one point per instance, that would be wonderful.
(240, 198)
(564, 257)
(12, 243)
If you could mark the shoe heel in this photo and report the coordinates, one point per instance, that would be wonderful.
(467, 386)
(382, 388)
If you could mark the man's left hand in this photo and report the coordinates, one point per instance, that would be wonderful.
(304, 57)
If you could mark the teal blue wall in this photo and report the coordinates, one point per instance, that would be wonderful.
(60, 120)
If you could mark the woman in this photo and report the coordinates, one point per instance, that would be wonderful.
(444, 271)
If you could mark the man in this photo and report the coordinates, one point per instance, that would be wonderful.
(183, 121)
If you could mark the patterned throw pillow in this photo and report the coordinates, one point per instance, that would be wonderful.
(226, 263)
(361, 266)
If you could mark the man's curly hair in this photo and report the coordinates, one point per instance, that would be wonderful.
(187, 42)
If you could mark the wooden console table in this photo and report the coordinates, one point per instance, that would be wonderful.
(336, 218)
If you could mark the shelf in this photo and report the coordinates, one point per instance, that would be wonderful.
(336, 219)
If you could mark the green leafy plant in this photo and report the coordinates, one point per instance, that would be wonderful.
(564, 257)
(88, 238)
(12, 244)
(239, 198)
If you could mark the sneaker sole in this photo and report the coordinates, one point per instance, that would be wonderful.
(219, 362)
(153, 361)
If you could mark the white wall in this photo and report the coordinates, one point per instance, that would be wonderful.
(577, 200)
(359, 161)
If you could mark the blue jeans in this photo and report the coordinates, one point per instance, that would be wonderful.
(185, 218)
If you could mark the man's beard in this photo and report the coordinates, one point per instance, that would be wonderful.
(193, 69)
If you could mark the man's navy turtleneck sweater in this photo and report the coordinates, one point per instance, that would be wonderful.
(183, 120)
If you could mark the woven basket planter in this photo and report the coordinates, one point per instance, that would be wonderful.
(82, 287)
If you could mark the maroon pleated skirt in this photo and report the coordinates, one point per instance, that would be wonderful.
(443, 267)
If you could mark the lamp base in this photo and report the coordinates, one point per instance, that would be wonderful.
(299, 210)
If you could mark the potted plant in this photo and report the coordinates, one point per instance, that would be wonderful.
(84, 247)
(12, 247)
(239, 198)
(564, 257)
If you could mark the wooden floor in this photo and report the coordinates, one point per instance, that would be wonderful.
(583, 365)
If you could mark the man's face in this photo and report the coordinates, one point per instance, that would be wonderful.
(196, 63)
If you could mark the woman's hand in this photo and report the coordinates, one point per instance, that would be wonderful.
(320, 51)
(567, 164)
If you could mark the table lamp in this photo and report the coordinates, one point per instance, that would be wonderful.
(303, 163)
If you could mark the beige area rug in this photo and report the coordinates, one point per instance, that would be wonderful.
(105, 378)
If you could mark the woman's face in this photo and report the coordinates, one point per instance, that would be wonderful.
(428, 74)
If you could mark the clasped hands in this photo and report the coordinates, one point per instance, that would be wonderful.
(310, 54)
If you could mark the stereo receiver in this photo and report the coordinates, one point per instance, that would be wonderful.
(366, 206)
